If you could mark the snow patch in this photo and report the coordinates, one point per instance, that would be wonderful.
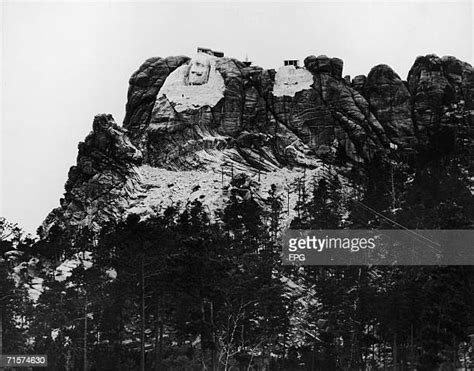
(111, 273)
(54, 333)
(64, 270)
(290, 80)
(36, 288)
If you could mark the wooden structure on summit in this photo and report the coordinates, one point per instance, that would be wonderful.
(210, 52)
(291, 62)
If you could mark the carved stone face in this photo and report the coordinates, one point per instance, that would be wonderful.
(289, 81)
(199, 70)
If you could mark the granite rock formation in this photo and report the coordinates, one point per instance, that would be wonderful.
(389, 100)
(205, 119)
(99, 185)
(436, 85)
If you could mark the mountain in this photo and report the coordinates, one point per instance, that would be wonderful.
(197, 127)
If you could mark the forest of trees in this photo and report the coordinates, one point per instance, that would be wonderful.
(187, 289)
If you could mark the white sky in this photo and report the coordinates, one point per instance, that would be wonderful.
(64, 62)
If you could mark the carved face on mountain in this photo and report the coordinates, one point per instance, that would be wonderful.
(289, 81)
(199, 70)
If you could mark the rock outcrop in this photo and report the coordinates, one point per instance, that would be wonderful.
(436, 85)
(267, 117)
(102, 183)
(389, 100)
(145, 84)
(208, 118)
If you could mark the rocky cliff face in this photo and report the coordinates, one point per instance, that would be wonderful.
(103, 179)
(191, 124)
(437, 85)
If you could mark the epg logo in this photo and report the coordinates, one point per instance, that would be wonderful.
(296, 257)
